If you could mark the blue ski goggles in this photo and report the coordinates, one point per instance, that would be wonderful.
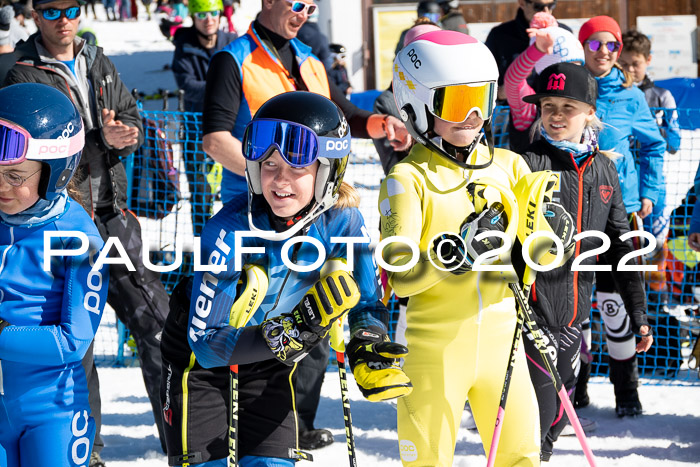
(299, 145)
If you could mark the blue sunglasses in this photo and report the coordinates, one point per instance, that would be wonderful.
(299, 145)
(52, 14)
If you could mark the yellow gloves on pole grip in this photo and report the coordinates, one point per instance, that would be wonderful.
(291, 336)
(375, 365)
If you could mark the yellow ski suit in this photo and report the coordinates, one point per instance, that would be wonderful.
(459, 327)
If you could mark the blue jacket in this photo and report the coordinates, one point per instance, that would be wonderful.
(53, 316)
(209, 334)
(624, 113)
(191, 62)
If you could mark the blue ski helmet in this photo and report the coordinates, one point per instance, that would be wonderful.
(40, 123)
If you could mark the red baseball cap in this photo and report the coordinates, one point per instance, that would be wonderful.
(597, 24)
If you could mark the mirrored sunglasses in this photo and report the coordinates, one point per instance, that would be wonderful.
(207, 14)
(594, 45)
(455, 103)
(298, 7)
(52, 14)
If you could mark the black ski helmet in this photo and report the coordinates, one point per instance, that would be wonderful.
(328, 123)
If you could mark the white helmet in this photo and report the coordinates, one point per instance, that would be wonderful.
(444, 74)
(566, 48)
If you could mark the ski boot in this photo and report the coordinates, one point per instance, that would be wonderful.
(627, 404)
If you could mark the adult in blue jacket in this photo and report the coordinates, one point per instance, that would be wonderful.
(50, 307)
(194, 47)
(623, 109)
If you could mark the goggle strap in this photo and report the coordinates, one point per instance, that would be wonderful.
(48, 149)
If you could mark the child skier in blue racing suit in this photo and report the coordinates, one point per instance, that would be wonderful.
(297, 216)
(50, 307)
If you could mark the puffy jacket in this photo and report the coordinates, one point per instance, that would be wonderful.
(264, 77)
(213, 294)
(625, 113)
(102, 178)
(191, 62)
(53, 314)
(592, 195)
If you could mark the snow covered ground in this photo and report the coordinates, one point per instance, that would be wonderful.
(667, 435)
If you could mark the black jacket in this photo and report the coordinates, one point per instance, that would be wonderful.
(591, 194)
(191, 62)
(508, 40)
(102, 177)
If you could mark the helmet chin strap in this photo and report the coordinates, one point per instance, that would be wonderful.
(452, 152)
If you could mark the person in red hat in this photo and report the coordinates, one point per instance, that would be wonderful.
(623, 109)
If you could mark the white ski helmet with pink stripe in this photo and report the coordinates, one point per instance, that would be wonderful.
(438, 60)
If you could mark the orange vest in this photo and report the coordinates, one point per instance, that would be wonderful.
(263, 77)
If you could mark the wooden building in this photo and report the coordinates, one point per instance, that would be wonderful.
(489, 11)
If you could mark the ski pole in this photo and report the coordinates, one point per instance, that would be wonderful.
(504, 392)
(337, 343)
(529, 319)
(249, 299)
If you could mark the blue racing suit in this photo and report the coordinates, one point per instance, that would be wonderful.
(268, 423)
(53, 316)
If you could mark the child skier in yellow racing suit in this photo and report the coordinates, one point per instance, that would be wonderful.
(460, 323)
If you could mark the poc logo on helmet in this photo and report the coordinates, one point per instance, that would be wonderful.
(414, 58)
(337, 145)
(67, 131)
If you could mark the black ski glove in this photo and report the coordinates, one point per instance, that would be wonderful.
(291, 336)
(450, 249)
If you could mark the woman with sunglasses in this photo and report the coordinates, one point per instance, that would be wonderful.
(296, 149)
(459, 322)
(194, 47)
(49, 308)
(623, 109)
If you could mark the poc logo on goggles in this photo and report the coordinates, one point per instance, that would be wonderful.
(58, 149)
(332, 145)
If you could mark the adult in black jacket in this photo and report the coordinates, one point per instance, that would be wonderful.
(589, 190)
(508, 40)
(56, 57)
(194, 47)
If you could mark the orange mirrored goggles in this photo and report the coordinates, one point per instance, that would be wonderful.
(455, 103)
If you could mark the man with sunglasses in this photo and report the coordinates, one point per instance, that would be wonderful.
(508, 40)
(266, 61)
(113, 130)
(194, 47)
(269, 60)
